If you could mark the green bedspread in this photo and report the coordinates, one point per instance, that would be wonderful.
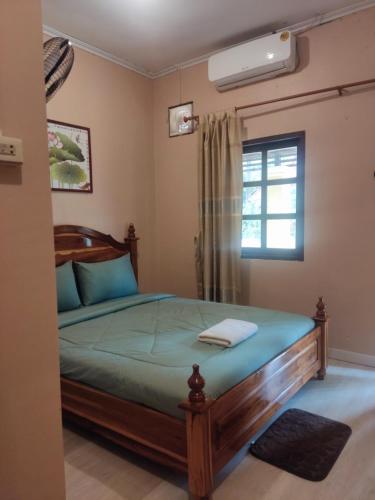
(142, 347)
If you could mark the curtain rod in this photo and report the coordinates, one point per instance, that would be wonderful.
(338, 88)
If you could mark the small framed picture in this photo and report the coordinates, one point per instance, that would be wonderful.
(177, 125)
(69, 151)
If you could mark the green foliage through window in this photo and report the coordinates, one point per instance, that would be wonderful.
(273, 197)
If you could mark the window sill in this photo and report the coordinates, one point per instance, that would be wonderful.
(271, 254)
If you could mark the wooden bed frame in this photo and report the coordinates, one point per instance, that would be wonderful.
(214, 429)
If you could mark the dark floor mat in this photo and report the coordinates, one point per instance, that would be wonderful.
(302, 443)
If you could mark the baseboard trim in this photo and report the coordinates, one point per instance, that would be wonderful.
(352, 357)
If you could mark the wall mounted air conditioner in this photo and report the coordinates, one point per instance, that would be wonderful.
(258, 59)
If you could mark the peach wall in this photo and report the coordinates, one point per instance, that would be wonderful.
(339, 194)
(116, 104)
(31, 453)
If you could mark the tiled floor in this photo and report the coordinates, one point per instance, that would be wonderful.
(99, 471)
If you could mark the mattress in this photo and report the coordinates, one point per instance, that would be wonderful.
(141, 348)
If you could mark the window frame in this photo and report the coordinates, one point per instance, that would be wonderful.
(263, 145)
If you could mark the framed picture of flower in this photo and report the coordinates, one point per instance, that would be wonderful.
(69, 151)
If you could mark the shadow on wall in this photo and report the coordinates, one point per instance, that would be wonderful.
(303, 49)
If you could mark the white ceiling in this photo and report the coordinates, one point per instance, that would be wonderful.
(153, 35)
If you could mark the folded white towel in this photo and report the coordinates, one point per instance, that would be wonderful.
(228, 333)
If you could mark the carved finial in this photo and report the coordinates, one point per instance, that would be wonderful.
(196, 383)
(131, 232)
(321, 312)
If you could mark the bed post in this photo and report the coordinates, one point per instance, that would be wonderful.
(321, 319)
(132, 240)
(199, 440)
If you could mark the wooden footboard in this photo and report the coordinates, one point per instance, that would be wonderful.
(217, 430)
(239, 414)
(214, 430)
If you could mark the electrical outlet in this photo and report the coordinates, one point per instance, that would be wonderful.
(11, 151)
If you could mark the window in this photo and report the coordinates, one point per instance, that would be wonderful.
(273, 197)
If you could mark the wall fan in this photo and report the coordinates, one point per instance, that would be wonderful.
(58, 61)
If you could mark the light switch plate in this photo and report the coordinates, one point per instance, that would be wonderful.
(11, 151)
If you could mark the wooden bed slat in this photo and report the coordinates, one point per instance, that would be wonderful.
(233, 429)
(221, 458)
(126, 418)
(125, 442)
(98, 254)
(238, 395)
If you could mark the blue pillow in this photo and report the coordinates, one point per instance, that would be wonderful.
(67, 293)
(106, 280)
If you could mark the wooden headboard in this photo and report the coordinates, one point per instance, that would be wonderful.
(87, 245)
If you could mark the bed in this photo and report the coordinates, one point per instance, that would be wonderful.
(138, 388)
